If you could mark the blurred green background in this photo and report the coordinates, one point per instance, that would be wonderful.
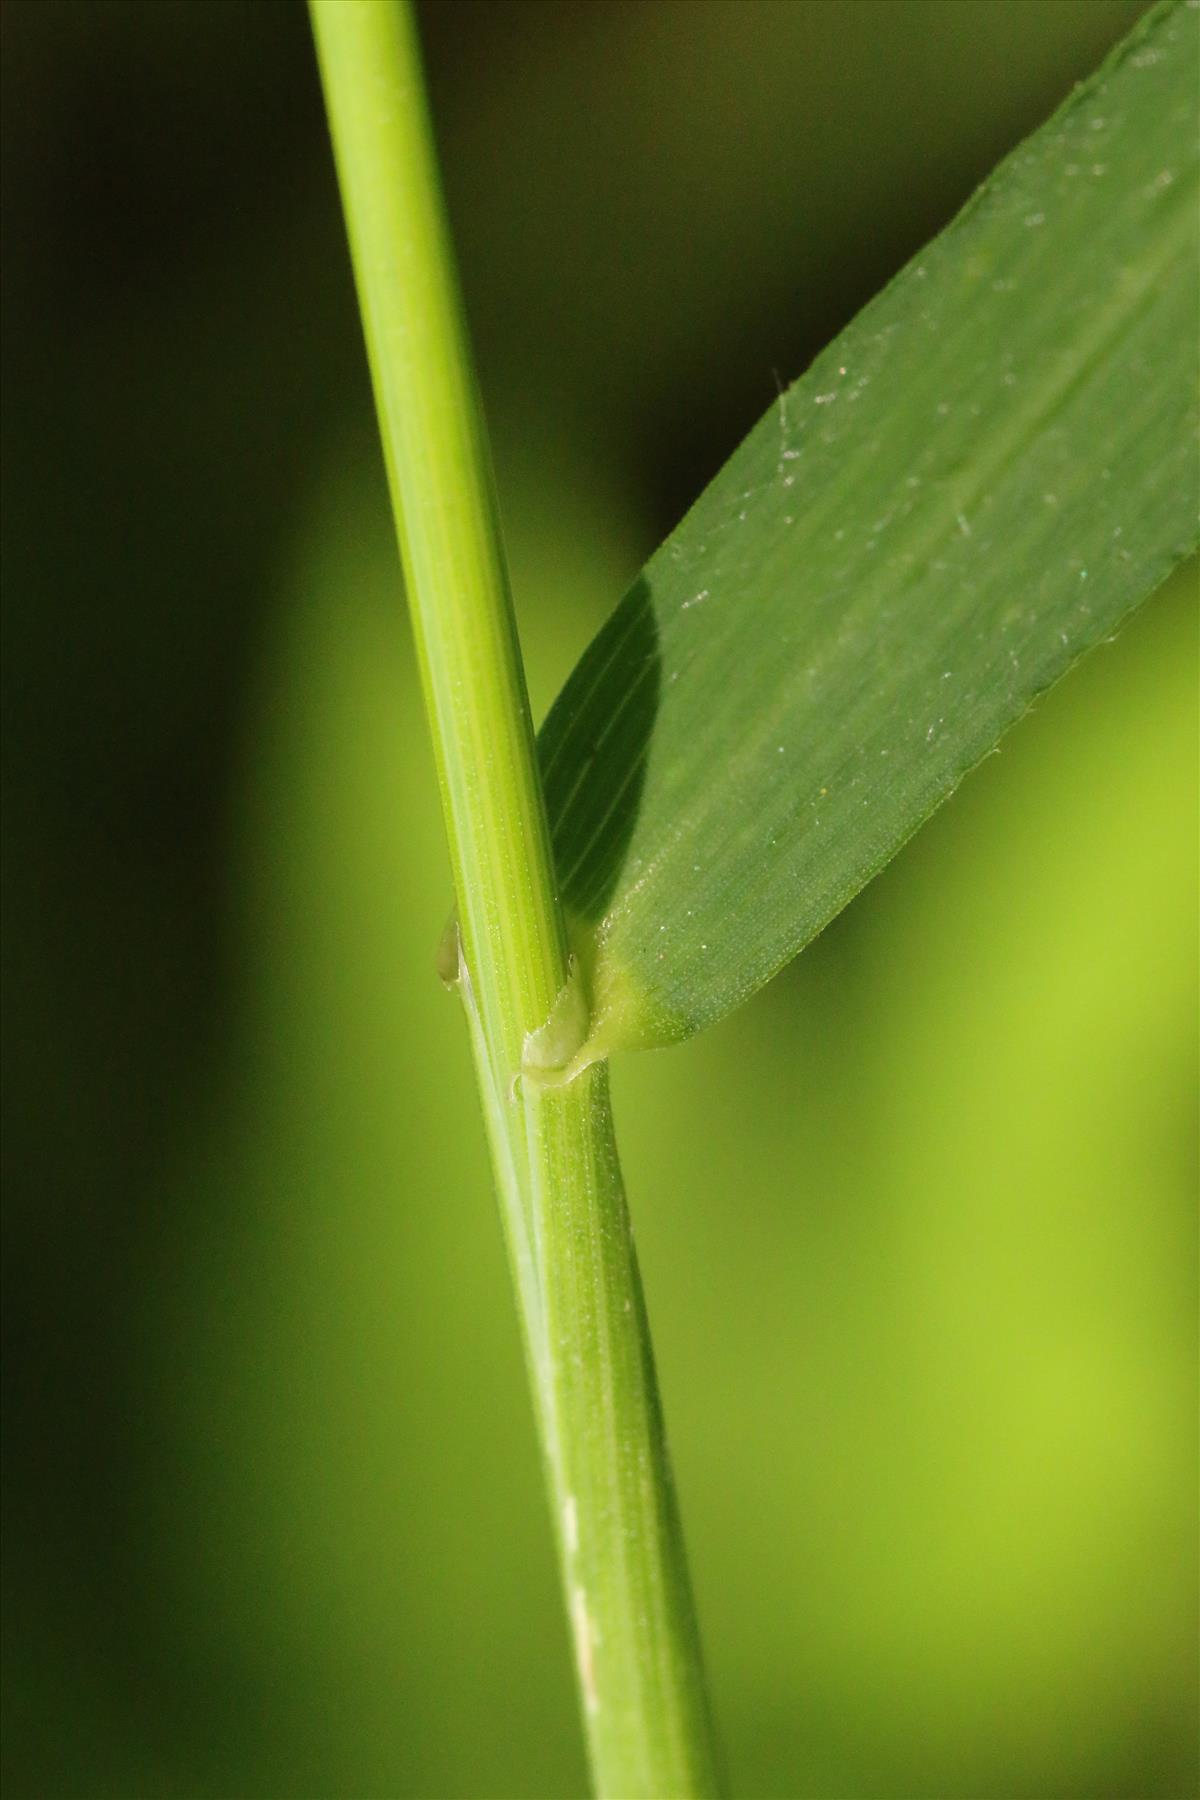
(917, 1226)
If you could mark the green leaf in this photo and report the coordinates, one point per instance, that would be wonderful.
(970, 487)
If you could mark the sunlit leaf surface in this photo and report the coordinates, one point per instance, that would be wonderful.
(970, 487)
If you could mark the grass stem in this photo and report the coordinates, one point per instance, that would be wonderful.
(625, 1580)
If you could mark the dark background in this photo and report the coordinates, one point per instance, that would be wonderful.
(917, 1225)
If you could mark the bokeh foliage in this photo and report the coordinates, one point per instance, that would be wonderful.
(917, 1225)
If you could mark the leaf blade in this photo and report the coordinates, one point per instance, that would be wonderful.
(969, 488)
